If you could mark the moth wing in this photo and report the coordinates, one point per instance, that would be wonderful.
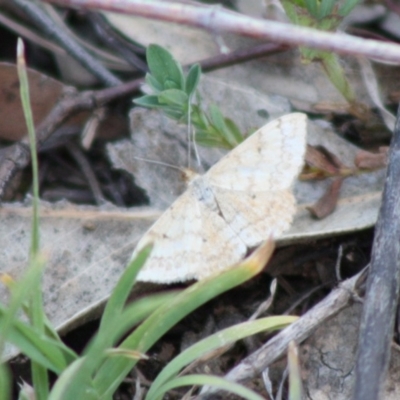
(190, 242)
(269, 159)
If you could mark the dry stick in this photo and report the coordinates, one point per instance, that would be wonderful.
(79, 157)
(382, 293)
(42, 20)
(217, 19)
(340, 298)
(241, 55)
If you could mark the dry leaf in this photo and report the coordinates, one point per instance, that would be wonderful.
(44, 93)
(327, 203)
(367, 160)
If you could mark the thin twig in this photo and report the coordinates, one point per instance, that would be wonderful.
(383, 283)
(216, 19)
(77, 153)
(42, 20)
(241, 55)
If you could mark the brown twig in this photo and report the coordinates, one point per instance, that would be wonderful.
(241, 55)
(217, 19)
(383, 283)
(42, 20)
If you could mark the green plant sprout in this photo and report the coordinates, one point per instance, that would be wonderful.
(325, 15)
(176, 95)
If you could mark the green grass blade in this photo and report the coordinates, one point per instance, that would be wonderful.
(135, 313)
(5, 383)
(20, 292)
(66, 380)
(25, 99)
(39, 373)
(207, 380)
(347, 7)
(49, 352)
(213, 342)
(120, 294)
(325, 8)
(114, 371)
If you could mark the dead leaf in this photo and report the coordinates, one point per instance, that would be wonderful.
(44, 93)
(327, 203)
(367, 160)
(320, 163)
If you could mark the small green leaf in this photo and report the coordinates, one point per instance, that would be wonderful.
(218, 340)
(164, 67)
(174, 97)
(204, 139)
(150, 101)
(234, 130)
(192, 79)
(312, 7)
(219, 122)
(208, 380)
(5, 382)
(117, 300)
(217, 118)
(347, 7)
(336, 74)
(154, 83)
(174, 113)
(325, 8)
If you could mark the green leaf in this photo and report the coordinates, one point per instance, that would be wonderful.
(219, 122)
(66, 380)
(192, 79)
(347, 7)
(174, 97)
(234, 130)
(325, 8)
(154, 83)
(312, 7)
(217, 119)
(114, 370)
(174, 112)
(214, 381)
(337, 75)
(164, 67)
(120, 294)
(5, 382)
(50, 353)
(149, 101)
(204, 139)
(217, 340)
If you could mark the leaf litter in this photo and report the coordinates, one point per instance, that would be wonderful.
(84, 243)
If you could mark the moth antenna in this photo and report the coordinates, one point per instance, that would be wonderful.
(160, 163)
